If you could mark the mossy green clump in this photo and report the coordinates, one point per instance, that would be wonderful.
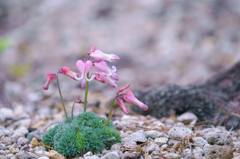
(85, 133)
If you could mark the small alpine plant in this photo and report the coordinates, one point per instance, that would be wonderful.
(87, 131)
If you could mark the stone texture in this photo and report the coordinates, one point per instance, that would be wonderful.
(154, 134)
(129, 145)
(152, 147)
(179, 133)
(219, 152)
(37, 134)
(6, 113)
(171, 156)
(111, 155)
(187, 118)
(133, 155)
(138, 136)
(92, 157)
(218, 138)
(199, 141)
(160, 141)
(20, 132)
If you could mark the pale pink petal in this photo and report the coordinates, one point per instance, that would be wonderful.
(101, 76)
(129, 97)
(103, 66)
(124, 88)
(124, 108)
(98, 55)
(66, 71)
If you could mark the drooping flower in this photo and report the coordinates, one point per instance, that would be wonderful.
(103, 77)
(129, 97)
(103, 66)
(123, 106)
(50, 77)
(84, 68)
(66, 71)
(98, 55)
(78, 100)
(123, 88)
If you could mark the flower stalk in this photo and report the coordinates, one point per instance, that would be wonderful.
(110, 113)
(86, 94)
(60, 93)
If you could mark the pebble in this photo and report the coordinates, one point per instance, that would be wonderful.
(116, 146)
(34, 142)
(218, 138)
(20, 132)
(92, 157)
(36, 134)
(132, 155)
(55, 154)
(111, 155)
(7, 141)
(179, 133)
(153, 147)
(138, 136)
(219, 152)
(18, 110)
(22, 141)
(154, 134)
(199, 141)
(6, 113)
(160, 141)
(187, 118)
(13, 150)
(129, 145)
(171, 156)
(44, 157)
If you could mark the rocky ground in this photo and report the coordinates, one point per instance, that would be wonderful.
(142, 137)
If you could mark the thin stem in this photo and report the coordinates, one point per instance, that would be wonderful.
(72, 110)
(86, 94)
(110, 113)
(60, 93)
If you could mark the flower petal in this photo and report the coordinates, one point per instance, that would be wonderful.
(129, 97)
(98, 55)
(124, 108)
(123, 88)
(84, 68)
(66, 71)
(103, 66)
(101, 76)
(50, 77)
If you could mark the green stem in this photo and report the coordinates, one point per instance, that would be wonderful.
(110, 113)
(60, 93)
(72, 110)
(86, 94)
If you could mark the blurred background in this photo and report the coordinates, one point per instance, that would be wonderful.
(159, 42)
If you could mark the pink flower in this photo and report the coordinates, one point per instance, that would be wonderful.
(66, 71)
(98, 55)
(103, 66)
(123, 88)
(92, 49)
(103, 77)
(78, 100)
(84, 68)
(124, 108)
(129, 97)
(50, 77)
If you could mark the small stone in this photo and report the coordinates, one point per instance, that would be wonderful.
(129, 145)
(118, 125)
(42, 152)
(153, 147)
(23, 123)
(169, 122)
(92, 157)
(138, 136)
(154, 134)
(20, 132)
(219, 152)
(111, 155)
(116, 146)
(160, 141)
(37, 134)
(6, 113)
(218, 138)
(199, 141)
(18, 110)
(187, 118)
(22, 141)
(13, 150)
(7, 141)
(171, 156)
(11, 156)
(179, 133)
(89, 153)
(164, 146)
(38, 124)
(133, 155)
(26, 155)
(34, 142)
(57, 155)
(44, 157)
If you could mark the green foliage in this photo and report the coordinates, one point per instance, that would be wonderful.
(86, 132)
(4, 44)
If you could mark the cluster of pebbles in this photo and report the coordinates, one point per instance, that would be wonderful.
(143, 137)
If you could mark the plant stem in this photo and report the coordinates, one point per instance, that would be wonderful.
(110, 113)
(72, 110)
(86, 94)
(60, 93)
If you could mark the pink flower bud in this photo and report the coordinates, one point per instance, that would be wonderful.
(124, 108)
(103, 77)
(98, 55)
(66, 71)
(78, 100)
(50, 77)
(123, 88)
(103, 66)
(129, 97)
